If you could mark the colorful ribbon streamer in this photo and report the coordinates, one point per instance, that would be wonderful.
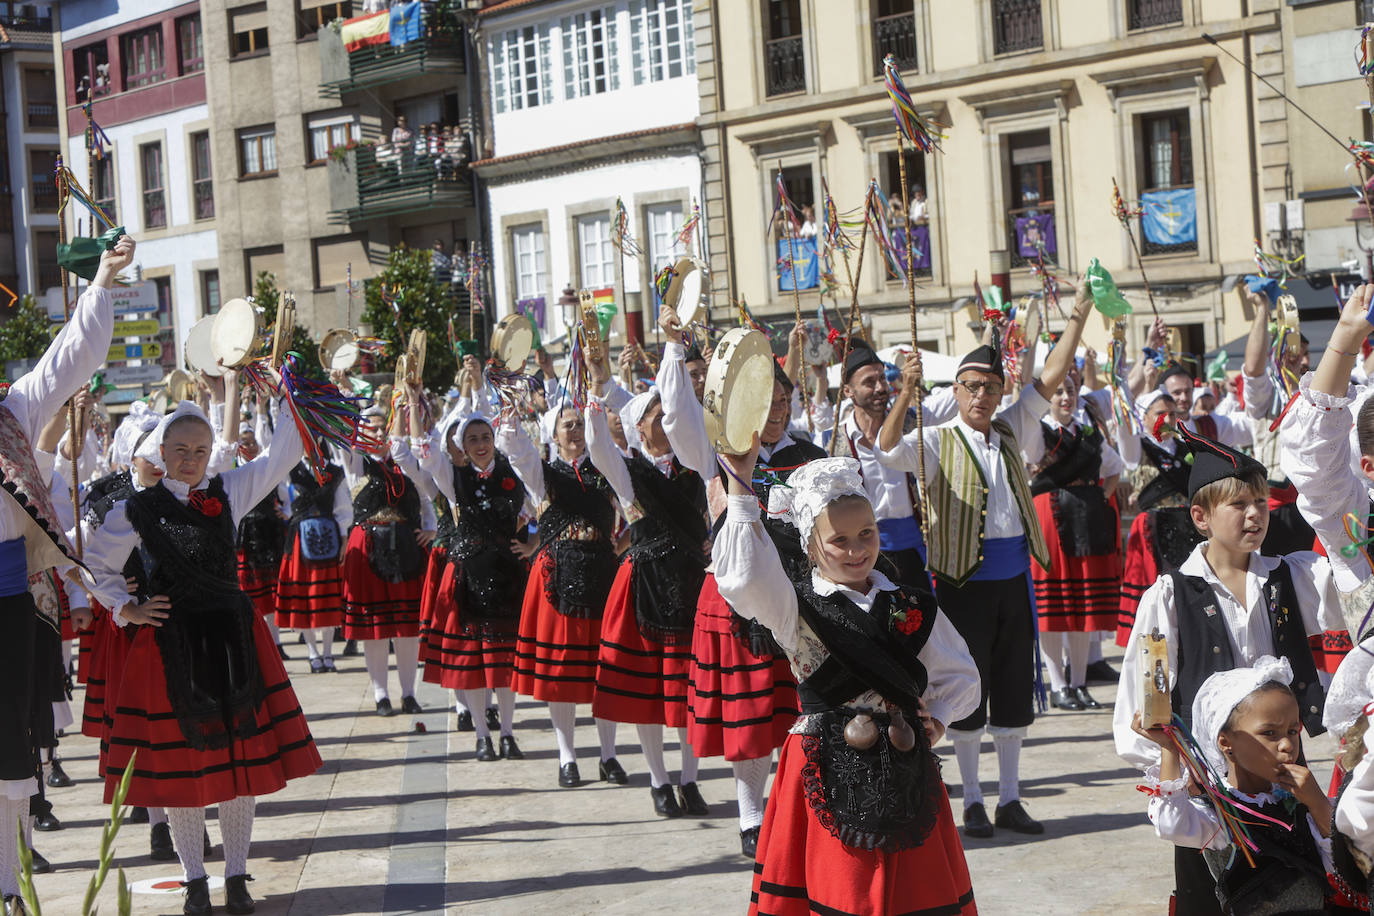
(917, 131)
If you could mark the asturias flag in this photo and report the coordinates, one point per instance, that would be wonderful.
(1170, 217)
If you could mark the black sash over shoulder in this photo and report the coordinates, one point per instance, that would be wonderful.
(666, 548)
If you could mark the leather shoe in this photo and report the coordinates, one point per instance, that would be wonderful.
(137, 816)
(317, 665)
(237, 900)
(281, 650)
(57, 777)
(613, 772)
(197, 897)
(1081, 694)
(689, 797)
(329, 664)
(485, 752)
(568, 775)
(465, 722)
(509, 749)
(384, 708)
(41, 866)
(665, 803)
(749, 842)
(350, 648)
(410, 706)
(1014, 817)
(1066, 699)
(493, 718)
(1099, 672)
(47, 823)
(13, 905)
(976, 823)
(160, 847)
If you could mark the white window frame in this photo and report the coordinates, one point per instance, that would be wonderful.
(661, 39)
(529, 261)
(517, 57)
(595, 253)
(662, 224)
(337, 131)
(587, 42)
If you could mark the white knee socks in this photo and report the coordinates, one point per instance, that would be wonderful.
(966, 746)
(689, 759)
(1007, 742)
(312, 640)
(272, 625)
(651, 743)
(327, 637)
(505, 702)
(605, 733)
(11, 810)
(1052, 648)
(751, 776)
(563, 716)
(236, 829)
(188, 835)
(157, 816)
(407, 661)
(374, 656)
(1095, 647)
(1080, 644)
(473, 699)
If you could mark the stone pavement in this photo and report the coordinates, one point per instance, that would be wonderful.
(400, 821)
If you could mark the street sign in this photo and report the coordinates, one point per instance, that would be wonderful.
(123, 395)
(146, 328)
(127, 300)
(120, 352)
(133, 375)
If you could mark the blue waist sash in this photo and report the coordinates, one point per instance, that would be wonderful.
(900, 534)
(1003, 558)
(14, 568)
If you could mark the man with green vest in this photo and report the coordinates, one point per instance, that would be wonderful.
(981, 537)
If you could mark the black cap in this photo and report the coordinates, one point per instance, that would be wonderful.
(983, 359)
(693, 354)
(1213, 461)
(1172, 370)
(859, 357)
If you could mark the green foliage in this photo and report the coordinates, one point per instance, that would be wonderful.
(424, 303)
(24, 333)
(266, 295)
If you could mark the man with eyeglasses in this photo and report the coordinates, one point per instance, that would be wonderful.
(983, 532)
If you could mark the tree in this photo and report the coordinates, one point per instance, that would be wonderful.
(267, 297)
(24, 333)
(424, 303)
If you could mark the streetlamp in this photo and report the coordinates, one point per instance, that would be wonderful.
(1364, 230)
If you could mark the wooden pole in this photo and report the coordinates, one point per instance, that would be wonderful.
(73, 445)
(791, 255)
(911, 307)
(853, 314)
(1130, 234)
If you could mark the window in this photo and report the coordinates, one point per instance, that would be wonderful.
(313, 15)
(248, 30)
(589, 54)
(202, 179)
(916, 209)
(268, 260)
(334, 257)
(190, 47)
(664, 221)
(324, 134)
(521, 71)
(786, 248)
(91, 70)
(1147, 13)
(103, 185)
(45, 256)
(784, 53)
(894, 32)
(40, 98)
(1030, 191)
(1167, 195)
(1365, 9)
(143, 61)
(1016, 26)
(661, 40)
(531, 277)
(154, 198)
(209, 291)
(257, 151)
(42, 178)
(596, 255)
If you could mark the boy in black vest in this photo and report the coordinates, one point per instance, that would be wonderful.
(1223, 608)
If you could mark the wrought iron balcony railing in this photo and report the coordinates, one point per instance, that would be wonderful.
(1145, 14)
(438, 50)
(1016, 26)
(895, 35)
(376, 180)
(786, 65)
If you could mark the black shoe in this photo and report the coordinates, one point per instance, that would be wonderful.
(282, 652)
(137, 816)
(384, 708)
(300, 638)
(749, 842)
(410, 707)
(1066, 699)
(485, 752)
(350, 648)
(1099, 672)
(613, 772)
(568, 775)
(329, 664)
(41, 866)
(493, 718)
(1014, 817)
(13, 905)
(316, 665)
(47, 823)
(509, 749)
(237, 900)
(160, 844)
(57, 777)
(1081, 694)
(665, 802)
(689, 798)
(465, 721)
(976, 821)
(197, 897)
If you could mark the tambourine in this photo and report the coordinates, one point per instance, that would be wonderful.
(818, 350)
(180, 386)
(415, 357)
(1156, 697)
(1286, 314)
(591, 325)
(739, 390)
(1030, 326)
(237, 336)
(685, 291)
(339, 350)
(512, 340)
(199, 356)
(282, 328)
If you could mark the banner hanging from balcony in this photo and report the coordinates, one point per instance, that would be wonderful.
(407, 20)
(1034, 231)
(533, 309)
(366, 30)
(808, 268)
(1170, 217)
(920, 244)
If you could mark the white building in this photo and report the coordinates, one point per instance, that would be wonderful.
(588, 102)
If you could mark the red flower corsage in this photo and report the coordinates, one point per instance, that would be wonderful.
(1162, 428)
(908, 621)
(206, 505)
(508, 483)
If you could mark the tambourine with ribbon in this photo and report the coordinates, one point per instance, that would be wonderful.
(511, 341)
(237, 336)
(200, 356)
(739, 390)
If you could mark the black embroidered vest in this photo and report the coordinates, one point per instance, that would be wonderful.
(491, 580)
(576, 530)
(666, 548)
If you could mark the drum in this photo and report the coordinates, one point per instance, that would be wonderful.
(237, 337)
(739, 390)
(512, 341)
(686, 291)
(199, 357)
(339, 350)
(818, 351)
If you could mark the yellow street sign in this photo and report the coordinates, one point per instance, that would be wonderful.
(120, 352)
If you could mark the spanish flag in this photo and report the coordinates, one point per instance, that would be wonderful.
(362, 31)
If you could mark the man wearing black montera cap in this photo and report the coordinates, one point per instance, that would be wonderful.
(983, 532)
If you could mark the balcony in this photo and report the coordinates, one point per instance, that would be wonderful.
(1146, 14)
(377, 180)
(439, 50)
(1016, 26)
(895, 35)
(1029, 231)
(26, 23)
(42, 115)
(786, 65)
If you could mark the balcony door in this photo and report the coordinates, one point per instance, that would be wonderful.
(1030, 193)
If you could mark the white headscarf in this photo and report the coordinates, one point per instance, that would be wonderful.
(1221, 693)
(548, 423)
(139, 420)
(630, 415)
(1352, 689)
(811, 488)
(1147, 399)
(151, 449)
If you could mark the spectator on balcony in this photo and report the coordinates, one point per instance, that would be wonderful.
(896, 213)
(436, 139)
(402, 133)
(917, 212)
(459, 261)
(440, 262)
(808, 226)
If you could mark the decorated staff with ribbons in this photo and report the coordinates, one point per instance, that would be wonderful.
(262, 532)
(984, 532)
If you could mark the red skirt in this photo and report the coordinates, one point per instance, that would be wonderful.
(169, 772)
(309, 595)
(739, 705)
(429, 589)
(109, 650)
(1140, 572)
(638, 681)
(373, 608)
(457, 654)
(802, 869)
(260, 585)
(1076, 594)
(555, 655)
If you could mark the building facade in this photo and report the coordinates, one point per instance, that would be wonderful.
(590, 103)
(1043, 103)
